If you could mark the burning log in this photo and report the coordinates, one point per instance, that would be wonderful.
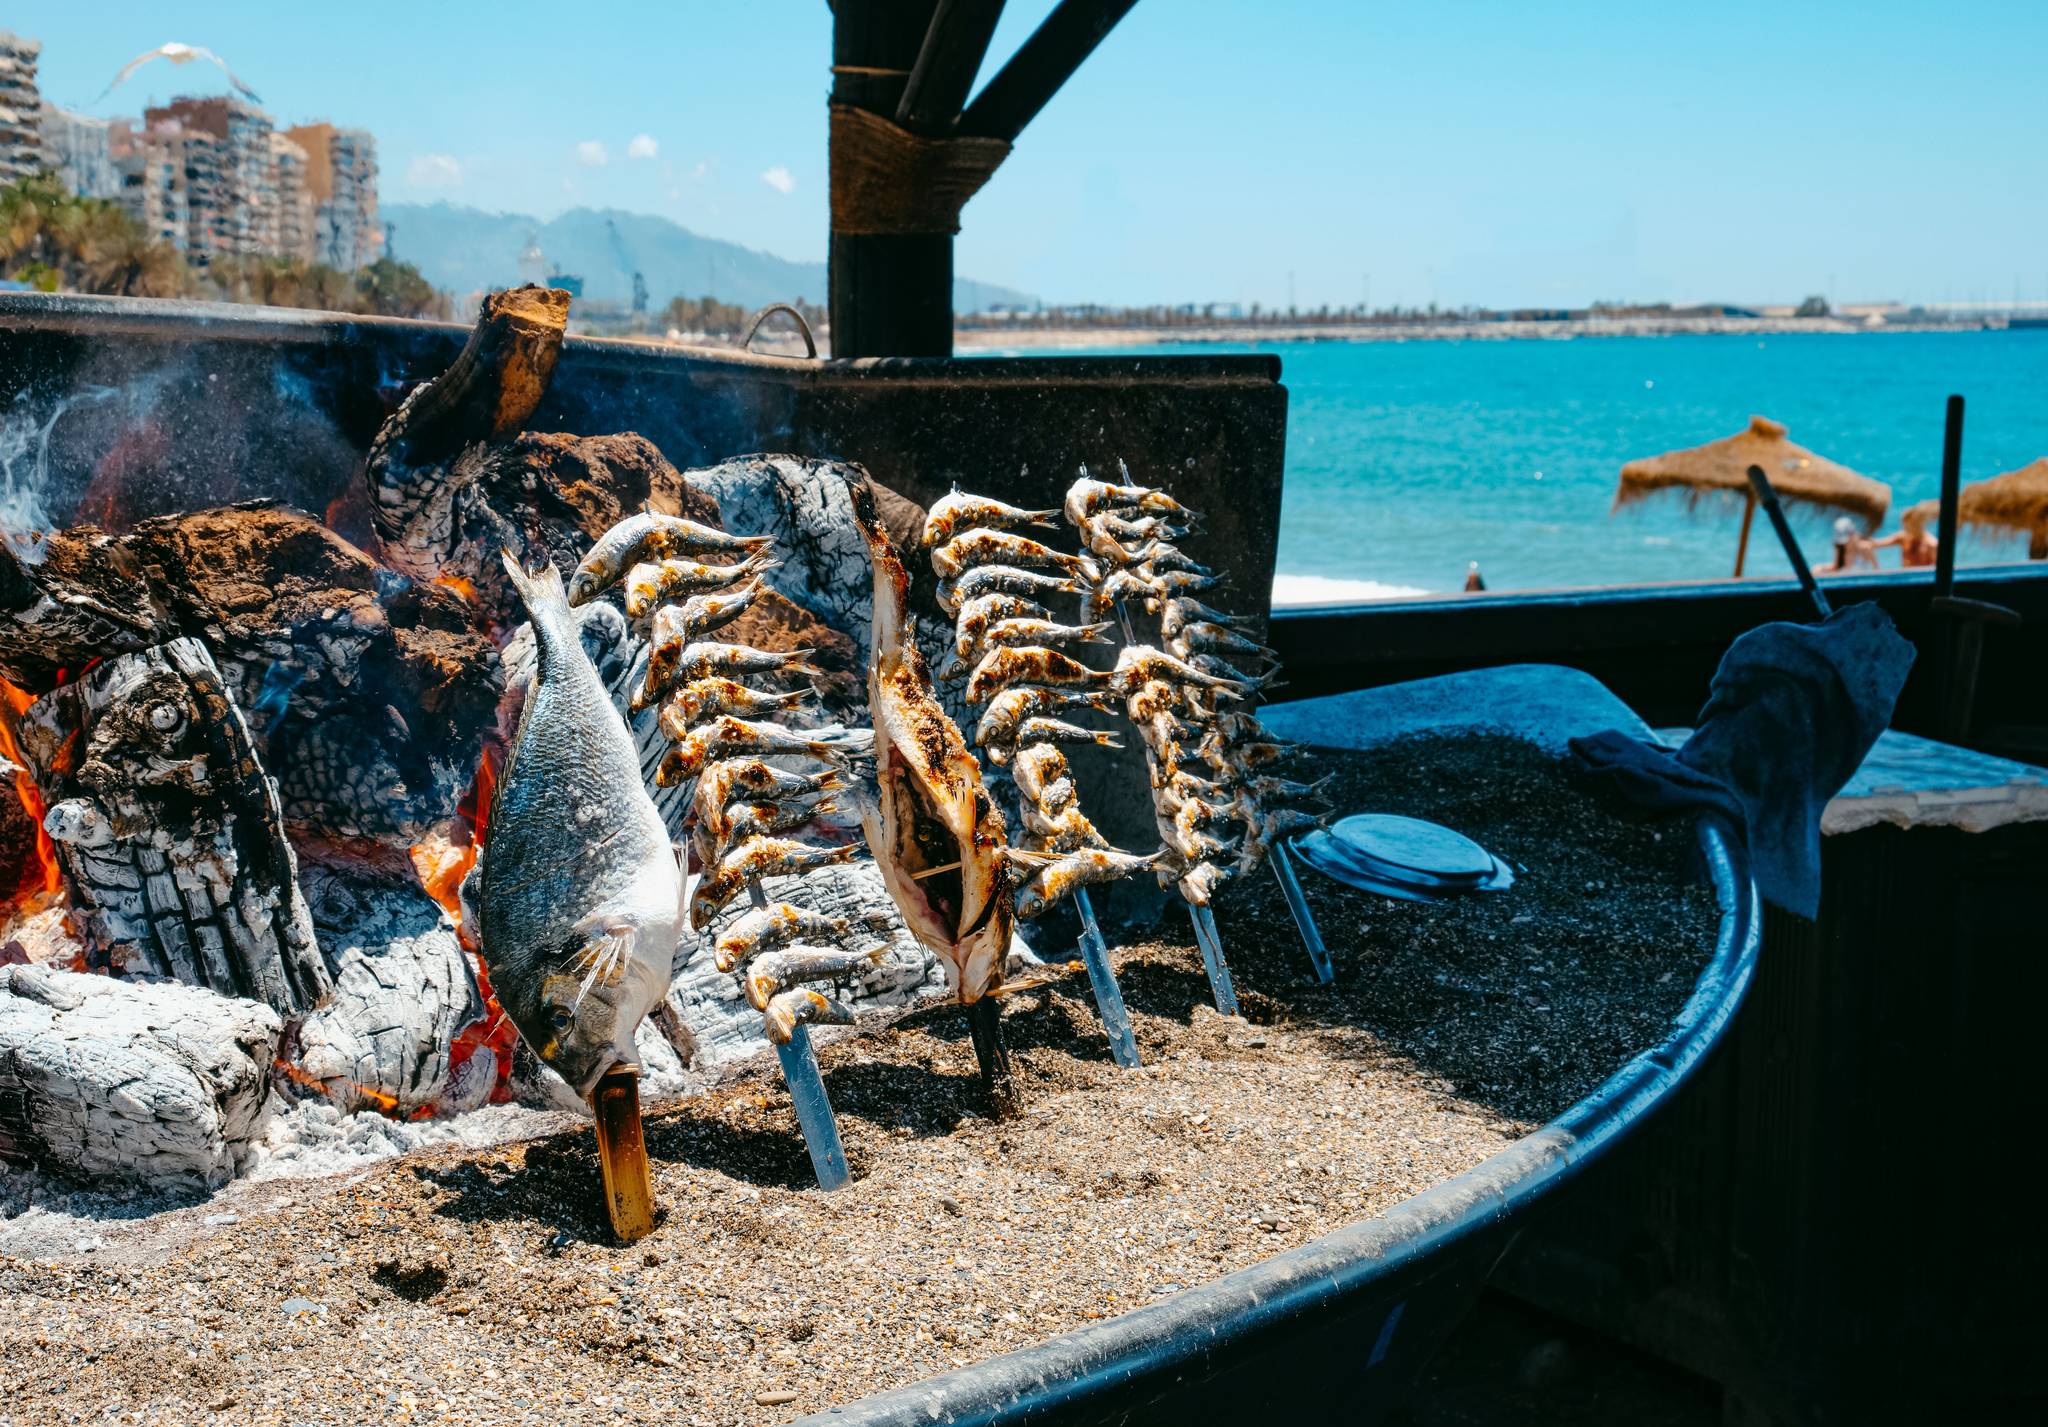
(421, 468)
(369, 692)
(100, 1077)
(170, 834)
(403, 993)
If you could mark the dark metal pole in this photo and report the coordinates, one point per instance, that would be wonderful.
(1768, 495)
(1951, 494)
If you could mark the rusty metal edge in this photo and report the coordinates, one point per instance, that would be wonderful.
(1135, 1357)
(89, 316)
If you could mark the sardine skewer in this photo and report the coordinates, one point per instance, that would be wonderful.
(957, 511)
(977, 548)
(647, 584)
(650, 536)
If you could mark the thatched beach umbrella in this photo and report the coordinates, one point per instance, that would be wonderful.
(2016, 501)
(1799, 476)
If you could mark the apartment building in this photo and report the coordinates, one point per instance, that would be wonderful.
(81, 149)
(21, 108)
(341, 178)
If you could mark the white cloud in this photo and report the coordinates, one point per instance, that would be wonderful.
(434, 171)
(642, 147)
(591, 154)
(779, 178)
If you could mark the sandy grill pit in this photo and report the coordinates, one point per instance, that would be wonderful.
(479, 1285)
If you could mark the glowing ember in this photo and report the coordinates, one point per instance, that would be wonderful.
(41, 876)
(441, 866)
(460, 584)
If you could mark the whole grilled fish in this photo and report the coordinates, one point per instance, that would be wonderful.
(578, 897)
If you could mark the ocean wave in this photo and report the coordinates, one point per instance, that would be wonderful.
(1322, 589)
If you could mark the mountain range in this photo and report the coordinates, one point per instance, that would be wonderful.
(467, 250)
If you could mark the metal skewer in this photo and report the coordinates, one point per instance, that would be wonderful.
(1767, 493)
(1109, 997)
(1304, 919)
(807, 1094)
(1206, 935)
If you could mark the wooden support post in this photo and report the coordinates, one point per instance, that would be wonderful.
(892, 293)
(954, 47)
(985, 1026)
(1742, 543)
(1027, 83)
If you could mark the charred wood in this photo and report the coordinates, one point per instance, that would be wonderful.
(368, 692)
(403, 992)
(169, 832)
(101, 1078)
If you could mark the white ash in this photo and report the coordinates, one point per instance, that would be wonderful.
(315, 1137)
(128, 1079)
(403, 991)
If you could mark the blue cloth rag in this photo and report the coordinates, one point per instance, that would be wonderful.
(1792, 711)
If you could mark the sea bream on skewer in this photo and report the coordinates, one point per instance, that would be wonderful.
(578, 893)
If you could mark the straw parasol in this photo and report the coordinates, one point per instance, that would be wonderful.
(1799, 476)
(2016, 502)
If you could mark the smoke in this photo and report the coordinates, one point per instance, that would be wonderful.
(25, 521)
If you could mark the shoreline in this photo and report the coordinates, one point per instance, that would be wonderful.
(995, 339)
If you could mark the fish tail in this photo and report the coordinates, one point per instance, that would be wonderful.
(547, 604)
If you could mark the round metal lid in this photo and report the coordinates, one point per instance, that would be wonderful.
(1428, 848)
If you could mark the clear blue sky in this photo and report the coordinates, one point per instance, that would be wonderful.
(1458, 152)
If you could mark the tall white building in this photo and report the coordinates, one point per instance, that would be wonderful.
(21, 109)
(80, 148)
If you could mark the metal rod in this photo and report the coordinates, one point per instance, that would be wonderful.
(1304, 919)
(1109, 997)
(1951, 494)
(813, 1108)
(1950, 648)
(1212, 959)
(1765, 492)
(807, 1094)
(954, 47)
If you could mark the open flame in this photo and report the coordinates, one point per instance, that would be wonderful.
(441, 867)
(461, 584)
(41, 876)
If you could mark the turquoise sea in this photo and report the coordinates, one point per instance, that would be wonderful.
(1406, 460)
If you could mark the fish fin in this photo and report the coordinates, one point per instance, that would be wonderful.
(546, 601)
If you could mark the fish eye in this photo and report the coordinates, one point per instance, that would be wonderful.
(165, 717)
(560, 1018)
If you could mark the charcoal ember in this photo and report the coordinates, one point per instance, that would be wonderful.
(17, 835)
(373, 691)
(168, 831)
(403, 991)
(103, 1078)
(714, 1007)
(76, 596)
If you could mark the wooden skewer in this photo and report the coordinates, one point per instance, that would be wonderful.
(933, 871)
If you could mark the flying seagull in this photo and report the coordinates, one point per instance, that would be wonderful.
(180, 54)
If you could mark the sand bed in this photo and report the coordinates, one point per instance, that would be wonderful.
(480, 1285)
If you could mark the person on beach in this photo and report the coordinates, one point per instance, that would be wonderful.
(1474, 581)
(1917, 548)
(1852, 548)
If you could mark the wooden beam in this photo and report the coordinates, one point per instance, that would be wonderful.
(891, 293)
(1022, 87)
(954, 48)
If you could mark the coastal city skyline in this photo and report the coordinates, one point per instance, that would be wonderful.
(1493, 165)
